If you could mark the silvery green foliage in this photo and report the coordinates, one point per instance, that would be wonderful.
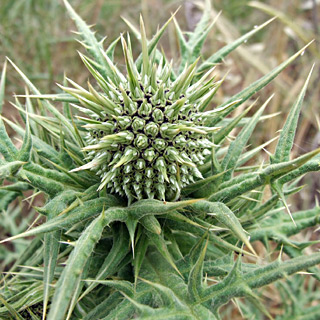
(145, 134)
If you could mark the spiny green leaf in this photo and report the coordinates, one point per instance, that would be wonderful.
(195, 285)
(90, 42)
(39, 145)
(78, 289)
(46, 104)
(309, 166)
(111, 48)
(226, 217)
(87, 210)
(132, 74)
(275, 186)
(105, 307)
(296, 251)
(111, 263)
(52, 242)
(182, 41)
(140, 253)
(219, 293)
(66, 104)
(25, 256)
(151, 224)
(58, 204)
(168, 296)
(154, 41)
(160, 244)
(199, 231)
(59, 97)
(25, 151)
(251, 153)
(223, 52)
(281, 224)
(29, 297)
(51, 250)
(49, 181)
(222, 134)
(261, 178)
(125, 309)
(10, 169)
(190, 49)
(149, 206)
(256, 301)
(121, 285)
(72, 273)
(203, 24)
(200, 188)
(7, 149)
(198, 37)
(256, 86)
(17, 187)
(131, 224)
(145, 54)
(287, 134)
(235, 149)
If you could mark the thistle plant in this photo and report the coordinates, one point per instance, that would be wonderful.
(149, 206)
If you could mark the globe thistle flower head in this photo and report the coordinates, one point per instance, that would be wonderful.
(146, 133)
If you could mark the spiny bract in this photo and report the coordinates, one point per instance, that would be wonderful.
(145, 132)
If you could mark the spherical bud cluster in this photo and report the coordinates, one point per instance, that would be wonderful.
(146, 135)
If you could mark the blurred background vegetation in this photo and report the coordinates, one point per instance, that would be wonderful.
(36, 36)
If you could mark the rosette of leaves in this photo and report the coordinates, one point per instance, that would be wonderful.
(147, 201)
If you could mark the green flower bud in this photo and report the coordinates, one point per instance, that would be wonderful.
(149, 183)
(161, 191)
(149, 172)
(132, 109)
(184, 170)
(157, 116)
(194, 158)
(159, 144)
(149, 193)
(145, 109)
(138, 177)
(151, 129)
(161, 178)
(127, 168)
(174, 182)
(171, 154)
(206, 152)
(141, 141)
(109, 127)
(124, 122)
(149, 154)
(192, 145)
(140, 164)
(137, 188)
(138, 124)
(172, 169)
(168, 131)
(117, 156)
(126, 179)
(146, 136)
(180, 142)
